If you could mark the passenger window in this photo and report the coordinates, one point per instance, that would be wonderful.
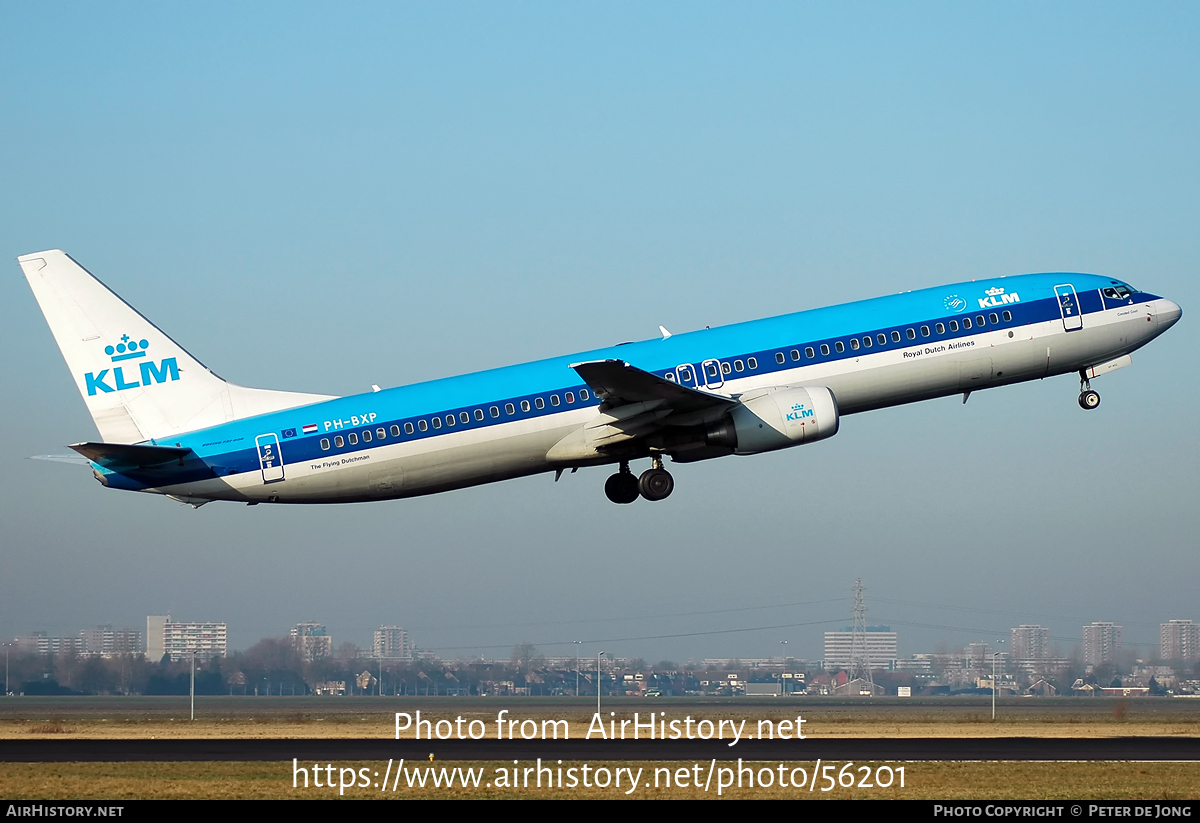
(953, 325)
(824, 349)
(867, 341)
(980, 320)
(910, 334)
(711, 369)
(509, 408)
(966, 322)
(464, 417)
(325, 444)
(795, 354)
(539, 402)
(940, 327)
(353, 438)
(494, 411)
(1007, 316)
(570, 397)
(366, 435)
(779, 358)
(583, 394)
(895, 337)
(839, 347)
(554, 401)
(422, 425)
(339, 441)
(924, 331)
(437, 422)
(854, 344)
(449, 420)
(670, 376)
(381, 433)
(809, 353)
(752, 362)
(685, 374)
(524, 405)
(479, 414)
(994, 318)
(725, 369)
(408, 429)
(881, 339)
(737, 365)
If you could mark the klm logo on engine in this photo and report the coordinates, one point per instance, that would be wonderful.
(798, 412)
(997, 297)
(148, 371)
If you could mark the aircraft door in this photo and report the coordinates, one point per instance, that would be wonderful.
(713, 377)
(685, 375)
(1068, 307)
(269, 459)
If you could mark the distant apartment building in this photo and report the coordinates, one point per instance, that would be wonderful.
(391, 642)
(103, 641)
(180, 641)
(42, 643)
(107, 641)
(1179, 640)
(879, 647)
(1030, 642)
(1101, 642)
(312, 641)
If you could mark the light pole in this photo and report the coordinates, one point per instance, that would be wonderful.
(193, 684)
(994, 656)
(598, 689)
(578, 644)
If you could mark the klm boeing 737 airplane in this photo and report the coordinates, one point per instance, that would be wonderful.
(169, 425)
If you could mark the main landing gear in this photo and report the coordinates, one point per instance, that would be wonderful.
(1088, 399)
(655, 483)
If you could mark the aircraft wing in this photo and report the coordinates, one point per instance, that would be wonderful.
(121, 456)
(618, 384)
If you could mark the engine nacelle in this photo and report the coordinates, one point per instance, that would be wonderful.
(777, 418)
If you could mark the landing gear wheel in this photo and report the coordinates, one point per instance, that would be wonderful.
(621, 487)
(656, 484)
(1089, 400)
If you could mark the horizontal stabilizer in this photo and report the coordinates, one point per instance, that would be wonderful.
(120, 457)
(618, 383)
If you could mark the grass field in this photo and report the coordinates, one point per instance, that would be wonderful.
(369, 717)
(366, 717)
(931, 781)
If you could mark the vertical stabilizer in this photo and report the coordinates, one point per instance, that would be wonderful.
(137, 382)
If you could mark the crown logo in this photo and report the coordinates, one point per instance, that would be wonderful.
(127, 349)
(995, 290)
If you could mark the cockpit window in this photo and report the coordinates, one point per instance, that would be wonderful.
(1118, 292)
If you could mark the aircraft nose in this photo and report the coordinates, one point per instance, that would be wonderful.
(1168, 313)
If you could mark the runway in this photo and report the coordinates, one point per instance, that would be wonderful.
(843, 749)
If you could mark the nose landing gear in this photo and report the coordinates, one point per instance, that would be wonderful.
(655, 483)
(1088, 399)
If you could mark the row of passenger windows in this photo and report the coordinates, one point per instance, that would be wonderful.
(381, 433)
(881, 339)
(687, 373)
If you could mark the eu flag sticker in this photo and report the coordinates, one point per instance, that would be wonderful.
(289, 432)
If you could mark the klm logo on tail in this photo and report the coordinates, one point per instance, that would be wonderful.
(149, 371)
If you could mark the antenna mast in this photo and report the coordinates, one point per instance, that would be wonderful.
(860, 661)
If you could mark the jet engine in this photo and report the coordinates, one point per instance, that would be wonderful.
(770, 419)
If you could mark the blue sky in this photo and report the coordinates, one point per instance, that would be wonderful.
(321, 198)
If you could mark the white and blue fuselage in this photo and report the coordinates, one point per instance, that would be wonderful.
(504, 423)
